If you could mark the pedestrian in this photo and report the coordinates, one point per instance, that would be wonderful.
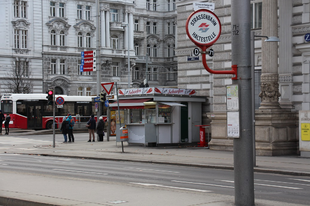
(2, 121)
(71, 125)
(7, 124)
(64, 128)
(91, 124)
(100, 128)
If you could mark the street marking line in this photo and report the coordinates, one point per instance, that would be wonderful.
(301, 180)
(170, 187)
(79, 171)
(285, 187)
(290, 183)
(142, 169)
(198, 183)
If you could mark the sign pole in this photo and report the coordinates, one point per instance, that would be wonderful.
(243, 146)
(54, 123)
(98, 67)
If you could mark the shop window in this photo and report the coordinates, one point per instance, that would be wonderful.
(164, 113)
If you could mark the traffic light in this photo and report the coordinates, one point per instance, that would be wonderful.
(50, 99)
(102, 97)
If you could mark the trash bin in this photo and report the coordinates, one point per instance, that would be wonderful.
(202, 136)
(124, 134)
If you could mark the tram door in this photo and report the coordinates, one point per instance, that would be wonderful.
(34, 115)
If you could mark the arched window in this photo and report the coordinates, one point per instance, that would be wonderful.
(62, 38)
(148, 50)
(80, 39)
(155, 51)
(53, 38)
(59, 90)
(137, 49)
(88, 91)
(88, 40)
(80, 91)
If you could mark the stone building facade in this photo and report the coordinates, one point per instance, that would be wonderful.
(48, 37)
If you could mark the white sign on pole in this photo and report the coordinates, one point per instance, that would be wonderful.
(199, 5)
(232, 98)
(233, 124)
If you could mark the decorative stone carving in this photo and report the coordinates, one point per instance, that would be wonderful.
(21, 24)
(269, 92)
(58, 24)
(285, 78)
(153, 40)
(85, 27)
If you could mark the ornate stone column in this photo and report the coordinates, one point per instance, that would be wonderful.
(276, 129)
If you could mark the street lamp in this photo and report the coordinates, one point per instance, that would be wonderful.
(268, 39)
(128, 55)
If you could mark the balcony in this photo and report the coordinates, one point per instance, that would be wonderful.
(116, 26)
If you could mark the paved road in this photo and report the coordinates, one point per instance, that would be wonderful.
(178, 180)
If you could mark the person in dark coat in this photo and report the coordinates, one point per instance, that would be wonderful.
(64, 129)
(91, 124)
(1, 119)
(71, 125)
(100, 128)
(7, 124)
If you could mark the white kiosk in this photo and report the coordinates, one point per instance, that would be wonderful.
(159, 115)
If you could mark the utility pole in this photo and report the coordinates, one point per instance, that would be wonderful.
(98, 62)
(243, 146)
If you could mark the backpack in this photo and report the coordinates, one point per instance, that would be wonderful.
(72, 122)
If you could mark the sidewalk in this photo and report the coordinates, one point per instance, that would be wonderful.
(189, 156)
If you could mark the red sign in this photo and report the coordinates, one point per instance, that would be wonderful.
(60, 100)
(88, 54)
(107, 87)
(88, 68)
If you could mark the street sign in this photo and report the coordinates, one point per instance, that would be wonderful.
(307, 37)
(192, 58)
(203, 28)
(60, 100)
(90, 61)
(106, 103)
(96, 105)
(211, 52)
(107, 87)
(200, 5)
(88, 54)
(97, 99)
(196, 52)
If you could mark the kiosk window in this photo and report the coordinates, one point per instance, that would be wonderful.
(164, 113)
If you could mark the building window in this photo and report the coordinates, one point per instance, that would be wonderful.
(154, 27)
(23, 9)
(87, 13)
(154, 74)
(148, 50)
(154, 5)
(79, 69)
(53, 38)
(62, 66)
(16, 38)
(24, 39)
(61, 10)
(16, 9)
(148, 73)
(80, 91)
(168, 51)
(154, 51)
(148, 5)
(79, 11)
(62, 38)
(80, 39)
(52, 9)
(137, 49)
(88, 91)
(53, 66)
(173, 28)
(170, 75)
(135, 74)
(168, 27)
(256, 13)
(115, 71)
(88, 40)
(173, 5)
(114, 42)
(148, 27)
(136, 25)
(114, 15)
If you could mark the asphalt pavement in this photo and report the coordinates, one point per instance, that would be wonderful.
(37, 143)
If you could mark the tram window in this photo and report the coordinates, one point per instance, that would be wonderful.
(6, 106)
(21, 108)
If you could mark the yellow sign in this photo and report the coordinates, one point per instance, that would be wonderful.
(305, 131)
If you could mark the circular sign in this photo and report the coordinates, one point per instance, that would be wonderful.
(307, 37)
(196, 52)
(60, 100)
(203, 27)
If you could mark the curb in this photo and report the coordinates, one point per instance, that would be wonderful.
(256, 169)
(8, 201)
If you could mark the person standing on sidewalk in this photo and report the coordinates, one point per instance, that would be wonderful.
(100, 128)
(1, 119)
(64, 129)
(7, 124)
(91, 124)
(71, 122)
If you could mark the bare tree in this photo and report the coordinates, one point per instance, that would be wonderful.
(18, 78)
